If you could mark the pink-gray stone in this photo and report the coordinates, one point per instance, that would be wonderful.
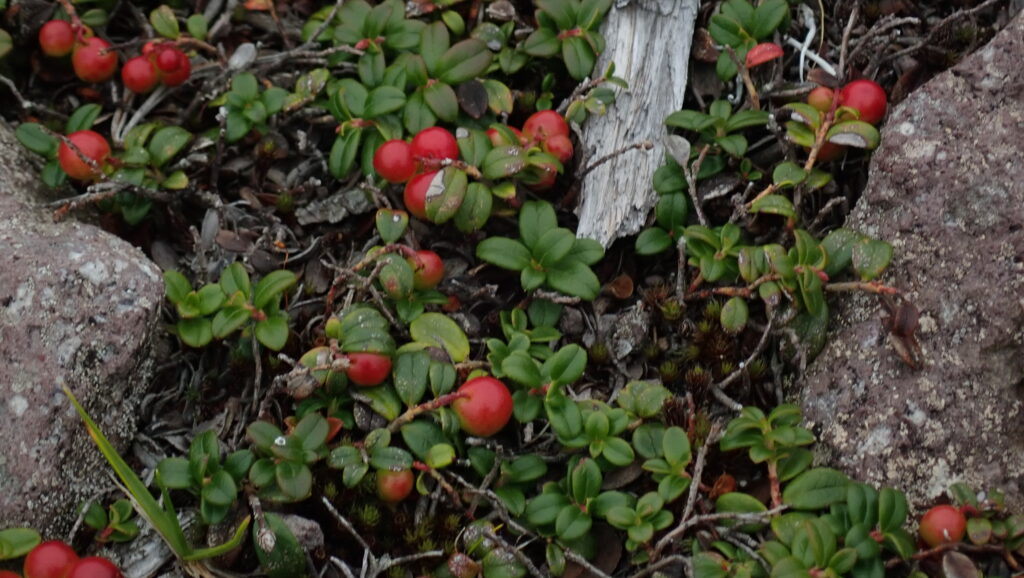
(945, 188)
(77, 306)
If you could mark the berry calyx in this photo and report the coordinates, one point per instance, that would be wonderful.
(415, 196)
(50, 559)
(393, 487)
(484, 406)
(433, 145)
(57, 38)
(368, 369)
(92, 60)
(92, 145)
(942, 524)
(94, 567)
(542, 125)
(393, 161)
(867, 97)
(427, 269)
(139, 75)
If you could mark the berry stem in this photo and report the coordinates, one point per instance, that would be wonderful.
(414, 412)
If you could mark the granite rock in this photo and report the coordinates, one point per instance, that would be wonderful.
(945, 189)
(77, 306)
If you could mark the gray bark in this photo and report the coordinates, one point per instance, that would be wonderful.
(649, 42)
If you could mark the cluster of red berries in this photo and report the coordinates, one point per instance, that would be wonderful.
(160, 62)
(865, 96)
(416, 163)
(55, 559)
(94, 61)
(91, 57)
(483, 406)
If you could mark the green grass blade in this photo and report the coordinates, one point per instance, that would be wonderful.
(166, 524)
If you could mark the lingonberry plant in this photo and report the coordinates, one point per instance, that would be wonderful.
(407, 383)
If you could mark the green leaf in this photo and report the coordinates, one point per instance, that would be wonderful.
(421, 435)
(574, 278)
(294, 480)
(195, 332)
(854, 133)
(503, 252)
(245, 86)
(690, 120)
(522, 369)
(17, 542)
(166, 143)
(272, 286)
(816, 489)
(287, 558)
(175, 473)
(197, 26)
(734, 144)
(464, 61)
(503, 161)
(535, 219)
(176, 286)
(734, 315)
(391, 458)
(579, 57)
(440, 456)
(572, 523)
(653, 241)
(445, 194)
(545, 508)
(737, 502)
(543, 43)
(565, 366)
(676, 447)
(838, 246)
(767, 17)
(35, 138)
(553, 245)
(83, 118)
(561, 12)
(892, 510)
(475, 209)
(439, 330)
(870, 258)
(564, 415)
(164, 22)
(442, 101)
(618, 452)
(433, 44)
(788, 174)
(410, 376)
(774, 205)
(220, 490)
(6, 42)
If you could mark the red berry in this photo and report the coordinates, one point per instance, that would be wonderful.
(867, 96)
(139, 75)
(427, 268)
(830, 151)
(149, 47)
(942, 524)
(92, 145)
(485, 407)
(821, 98)
(179, 76)
(433, 145)
(368, 369)
(545, 124)
(56, 38)
(394, 486)
(560, 146)
(415, 196)
(91, 63)
(94, 567)
(539, 175)
(393, 161)
(50, 559)
(169, 59)
(9, 574)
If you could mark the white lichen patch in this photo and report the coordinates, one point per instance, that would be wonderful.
(18, 405)
(95, 272)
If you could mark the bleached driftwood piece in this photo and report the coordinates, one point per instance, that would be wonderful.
(649, 42)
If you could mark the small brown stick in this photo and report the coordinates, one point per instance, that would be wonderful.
(414, 412)
(577, 93)
(642, 145)
(868, 286)
(940, 26)
(691, 179)
(755, 101)
(685, 520)
(882, 26)
(844, 46)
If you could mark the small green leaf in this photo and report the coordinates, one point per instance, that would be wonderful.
(464, 61)
(439, 330)
(788, 174)
(734, 315)
(870, 258)
(572, 523)
(196, 332)
(197, 26)
(35, 138)
(503, 252)
(83, 118)
(579, 57)
(294, 480)
(740, 503)
(166, 143)
(653, 241)
(220, 490)
(440, 456)
(391, 458)
(774, 205)
(854, 133)
(542, 43)
(816, 489)
(271, 287)
(273, 331)
(164, 22)
(17, 542)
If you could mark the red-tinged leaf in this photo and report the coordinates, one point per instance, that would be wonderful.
(764, 52)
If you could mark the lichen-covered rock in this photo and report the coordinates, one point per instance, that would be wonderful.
(77, 306)
(945, 189)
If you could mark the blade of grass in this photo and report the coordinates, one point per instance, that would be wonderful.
(163, 519)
